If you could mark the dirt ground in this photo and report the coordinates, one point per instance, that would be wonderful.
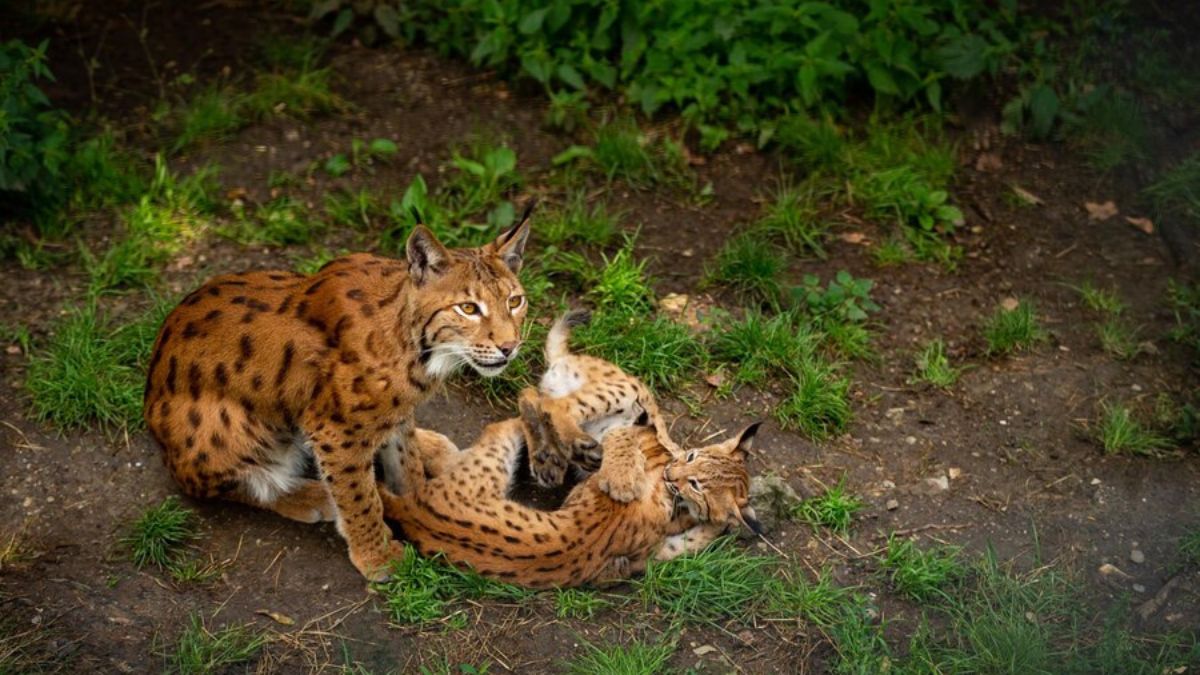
(1012, 437)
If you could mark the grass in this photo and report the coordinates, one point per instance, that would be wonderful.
(793, 219)
(211, 115)
(722, 581)
(921, 575)
(621, 151)
(1118, 339)
(933, 366)
(1177, 191)
(1012, 331)
(1113, 133)
(200, 651)
(1184, 301)
(1100, 300)
(751, 267)
(636, 658)
(302, 92)
(91, 371)
(423, 590)
(279, 222)
(819, 403)
(1189, 547)
(577, 223)
(833, 509)
(1119, 432)
(158, 535)
(574, 603)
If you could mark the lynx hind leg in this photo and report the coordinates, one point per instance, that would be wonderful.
(622, 476)
(562, 422)
(547, 462)
(436, 451)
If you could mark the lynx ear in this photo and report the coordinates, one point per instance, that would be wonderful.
(426, 255)
(510, 246)
(741, 446)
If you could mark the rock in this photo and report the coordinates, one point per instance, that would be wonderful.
(1137, 556)
(892, 505)
(704, 649)
(1109, 569)
(954, 472)
(931, 486)
(1138, 588)
(772, 499)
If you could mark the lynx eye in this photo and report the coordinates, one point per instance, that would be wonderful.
(691, 456)
(695, 484)
(515, 302)
(468, 308)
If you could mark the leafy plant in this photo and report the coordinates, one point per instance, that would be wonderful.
(844, 300)
(34, 136)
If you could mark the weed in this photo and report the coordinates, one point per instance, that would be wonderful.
(722, 581)
(1009, 331)
(103, 174)
(818, 405)
(156, 537)
(750, 267)
(1113, 133)
(1120, 432)
(575, 223)
(444, 667)
(279, 222)
(621, 284)
(1118, 339)
(14, 552)
(574, 603)
(92, 372)
(636, 658)
(816, 143)
(286, 52)
(567, 110)
(420, 589)
(200, 651)
(363, 155)
(1184, 300)
(1189, 547)
(1100, 300)
(792, 218)
(921, 575)
(933, 366)
(760, 347)
(33, 135)
(833, 509)
(356, 210)
(1177, 191)
(211, 115)
(295, 86)
(195, 570)
(654, 348)
(844, 300)
(891, 251)
(621, 151)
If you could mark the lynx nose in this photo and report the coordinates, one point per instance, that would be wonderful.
(508, 348)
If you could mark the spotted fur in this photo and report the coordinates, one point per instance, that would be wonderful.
(671, 505)
(257, 376)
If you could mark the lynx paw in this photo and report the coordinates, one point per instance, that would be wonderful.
(377, 567)
(623, 484)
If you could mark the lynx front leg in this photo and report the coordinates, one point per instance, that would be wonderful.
(622, 476)
(690, 541)
(345, 458)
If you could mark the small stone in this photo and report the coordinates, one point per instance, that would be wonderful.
(704, 649)
(1095, 481)
(892, 505)
(1009, 304)
(1137, 556)
(1135, 387)
(954, 472)
(888, 485)
(1109, 569)
(1138, 588)
(911, 440)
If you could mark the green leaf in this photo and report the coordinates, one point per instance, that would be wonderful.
(383, 146)
(964, 56)
(1043, 109)
(343, 21)
(568, 74)
(388, 20)
(337, 165)
(532, 22)
(571, 154)
(882, 80)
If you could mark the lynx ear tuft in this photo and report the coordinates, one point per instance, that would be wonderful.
(510, 246)
(427, 257)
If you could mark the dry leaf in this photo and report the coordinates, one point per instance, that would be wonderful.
(1009, 304)
(281, 619)
(1144, 224)
(1027, 196)
(1102, 211)
(854, 237)
(715, 380)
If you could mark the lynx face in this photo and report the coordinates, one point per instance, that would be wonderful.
(712, 482)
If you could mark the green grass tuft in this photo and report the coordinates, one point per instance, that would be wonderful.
(158, 535)
(200, 651)
(92, 372)
(213, 114)
(1100, 300)
(574, 603)
(279, 222)
(833, 509)
(1011, 331)
(922, 575)
(792, 218)
(656, 349)
(933, 366)
(423, 590)
(1184, 300)
(576, 223)
(1121, 433)
(1189, 547)
(1114, 133)
(819, 403)
(1176, 193)
(751, 267)
(723, 581)
(636, 658)
(1118, 339)
(760, 347)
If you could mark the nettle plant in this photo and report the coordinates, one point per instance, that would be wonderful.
(34, 136)
(844, 299)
